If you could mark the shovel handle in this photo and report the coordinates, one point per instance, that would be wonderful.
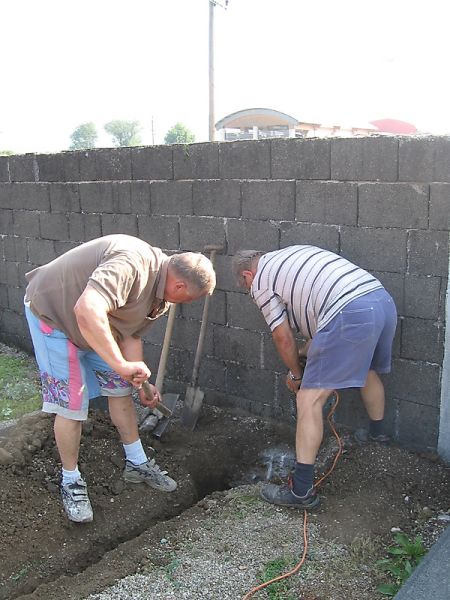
(149, 393)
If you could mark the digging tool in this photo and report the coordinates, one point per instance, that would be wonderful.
(169, 400)
(193, 399)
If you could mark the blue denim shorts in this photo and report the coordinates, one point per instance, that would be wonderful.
(357, 340)
(70, 377)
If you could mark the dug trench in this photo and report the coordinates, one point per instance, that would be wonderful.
(43, 556)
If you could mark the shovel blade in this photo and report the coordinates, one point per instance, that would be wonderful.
(193, 401)
(170, 401)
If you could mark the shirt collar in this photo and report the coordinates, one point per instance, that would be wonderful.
(162, 277)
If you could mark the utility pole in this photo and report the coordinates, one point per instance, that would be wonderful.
(212, 120)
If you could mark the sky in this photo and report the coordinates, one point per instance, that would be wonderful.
(345, 62)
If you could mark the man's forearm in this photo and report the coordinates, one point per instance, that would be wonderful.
(287, 348)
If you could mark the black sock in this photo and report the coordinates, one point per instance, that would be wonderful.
(303, 478)
(376, 428)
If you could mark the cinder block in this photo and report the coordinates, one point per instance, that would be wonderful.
(22, 167)
(152, 162)
(171, 197)
(24, 268)
(237, 345)
(418, 425)
(216, 311)
(422, 294)
(375, 249)
(64, 197)
(440, 206)
(113, 164)
(4, 169)
(442, 159)
(76, 227)
(63, 247)
(3, 296)
(71, 164)
(14, 248)
(268, 200)
(54, 226)
(3, 275)
(224, 274)
(364, 159)
(422, 339)
(185, 336)
(96, 197)
(217, 198)
(252, 235)
(196, 161)
(350, 411)
(300, 159)
(198, 232)
(6, 196)
(121, 193)
(92, 227)
(6, 221)
(87, 165)
(26, 223)
(140, 197)
(323, 236)
(326, 202)
(12, 273)
(244, 160)
(394, 284)
(243, 312)
(415, 381)
(252, 384)
(50, 167)
(41, 251)
(161, 232)
(119, 224)
(15, 298)
(270, 357)
(211, 375)
(32, 196)
(393, 205)
(428, 253)
(444, 292)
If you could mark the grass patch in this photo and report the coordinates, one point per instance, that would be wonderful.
(19, 387)
(281, 589)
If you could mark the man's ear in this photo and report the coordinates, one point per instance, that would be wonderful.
(247, 276)
(180, 285)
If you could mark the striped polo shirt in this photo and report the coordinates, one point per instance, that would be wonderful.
(308, 286)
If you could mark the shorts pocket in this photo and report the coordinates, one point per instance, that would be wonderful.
(357, 325)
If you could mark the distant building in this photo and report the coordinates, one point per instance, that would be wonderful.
(263, 123)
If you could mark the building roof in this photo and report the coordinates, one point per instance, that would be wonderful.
(394, 126)
(261, 117)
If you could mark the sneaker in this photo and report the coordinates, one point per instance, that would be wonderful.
(362, 436)
(76, 502)
(282, 495)
(149, 473)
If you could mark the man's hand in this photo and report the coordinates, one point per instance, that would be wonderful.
(150, 402)
(136, 372)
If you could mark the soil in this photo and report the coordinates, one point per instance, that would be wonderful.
(42, 555)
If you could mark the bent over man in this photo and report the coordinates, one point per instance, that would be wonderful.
(87, 311)
(349, 320)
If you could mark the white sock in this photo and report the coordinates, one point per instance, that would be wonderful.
(135, 453)
(70, 476)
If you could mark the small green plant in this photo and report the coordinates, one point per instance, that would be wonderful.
(405, 556)
(171, 568)
(19, 389)
(280, 589)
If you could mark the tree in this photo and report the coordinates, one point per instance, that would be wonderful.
(124, 133)
(6, 152)
(179, 134)
(84, 137)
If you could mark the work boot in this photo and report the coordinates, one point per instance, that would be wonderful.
(282, 495)
(76, 502)
(149, 473)
(362, 436)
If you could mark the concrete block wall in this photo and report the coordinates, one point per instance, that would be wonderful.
(382, 202)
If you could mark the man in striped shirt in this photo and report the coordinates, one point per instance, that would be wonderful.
(349, 321)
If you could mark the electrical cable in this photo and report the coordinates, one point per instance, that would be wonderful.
(305, 514)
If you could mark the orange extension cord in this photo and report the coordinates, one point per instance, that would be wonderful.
(305, 514)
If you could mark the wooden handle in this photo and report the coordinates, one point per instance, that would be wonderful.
(149, 393)
(165, 348)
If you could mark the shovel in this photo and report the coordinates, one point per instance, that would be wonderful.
(193, 399)
(169, 400)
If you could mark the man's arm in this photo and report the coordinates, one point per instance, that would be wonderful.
(91, 312)
(132, 350)
(286, 346)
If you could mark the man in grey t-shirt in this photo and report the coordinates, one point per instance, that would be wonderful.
(87, 311)
(349, 321)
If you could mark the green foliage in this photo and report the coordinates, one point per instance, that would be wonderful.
(280, 589)
(19, 392)
(405, 556)
(6, 152)
(124, 133)
(179, 134)
(84, 137)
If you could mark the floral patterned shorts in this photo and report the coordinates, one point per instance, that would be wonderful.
(70, 377)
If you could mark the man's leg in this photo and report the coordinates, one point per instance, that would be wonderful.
(373, 396)
(138, 469)
(67, 437)
(310, 403)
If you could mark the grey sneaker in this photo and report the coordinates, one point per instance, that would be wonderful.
(149, 473)
(76, 502)
(282, 495)
(362, 436)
